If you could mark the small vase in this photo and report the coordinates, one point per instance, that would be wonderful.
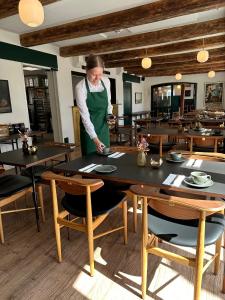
(141, 159)
(25, 147)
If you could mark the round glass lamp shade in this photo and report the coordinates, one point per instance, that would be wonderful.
(211, 74)
(146, 63)
(178, 76)
(31, 12)
(202, 56)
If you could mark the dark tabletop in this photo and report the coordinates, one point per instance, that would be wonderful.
(10, 137)
(18, 158)
(128, 172)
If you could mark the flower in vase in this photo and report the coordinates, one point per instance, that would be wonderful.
(142, 145)
(24, 135)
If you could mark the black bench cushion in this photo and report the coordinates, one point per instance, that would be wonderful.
(10, 184)
(184, 232)
(102, 200)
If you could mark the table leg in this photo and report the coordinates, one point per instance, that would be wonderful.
(34, 194)
(160, 147)
(215, 146)
(191, 145)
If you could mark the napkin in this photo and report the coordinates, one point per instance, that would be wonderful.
(174, 180)
(86, 168)
(119, 155)
(113, 155)
(196, 163)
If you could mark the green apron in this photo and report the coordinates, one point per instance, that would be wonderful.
(97, 104)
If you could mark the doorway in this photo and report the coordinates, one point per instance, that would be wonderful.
(38, 102)
(127, 102)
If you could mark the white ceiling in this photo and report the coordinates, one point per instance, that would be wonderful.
(65, 11)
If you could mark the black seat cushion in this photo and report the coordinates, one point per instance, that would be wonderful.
(112, 185)
(10, 184)
(102, 201)
(38, 171)
(184, 232)
(154, 148)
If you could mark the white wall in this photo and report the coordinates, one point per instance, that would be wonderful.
(200, 79)
(13, 72)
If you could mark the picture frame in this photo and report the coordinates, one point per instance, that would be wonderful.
(138, 97)
(214, 94)
(5, 100)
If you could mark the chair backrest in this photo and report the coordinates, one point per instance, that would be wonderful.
(156, 139)
(203, 142)
(177, 207)
(215, 156)
(74, 185)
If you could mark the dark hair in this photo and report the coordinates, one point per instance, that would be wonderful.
(94, 61)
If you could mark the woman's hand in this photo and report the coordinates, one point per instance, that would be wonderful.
(99, 145)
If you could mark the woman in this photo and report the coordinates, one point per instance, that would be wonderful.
(94, 102)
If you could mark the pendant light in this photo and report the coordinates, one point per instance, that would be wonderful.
(31, 12)
(211, 74)
(203, 55)
(146, 62)
(178, 76)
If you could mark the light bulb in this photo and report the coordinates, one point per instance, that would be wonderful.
(31, 12)
(202, 56)
(178, 76)
(146, 63)
(211, 74)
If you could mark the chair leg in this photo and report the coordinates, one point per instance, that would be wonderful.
(144, 253)
(1, 229)
(58, 241)
(199, 259)
(125, 221)
(217, 260)
(91, 247)
(144, 269)
(135, 202)
(40, 197)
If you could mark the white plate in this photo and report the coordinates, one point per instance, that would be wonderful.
(175, 160)
(189, 181)
(105, 169)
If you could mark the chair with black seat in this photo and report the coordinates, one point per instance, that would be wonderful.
(40, 169)
(12, 188)
(183, 222)
(86, 199)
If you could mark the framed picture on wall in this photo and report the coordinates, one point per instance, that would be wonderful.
(138, 98)
(214, 95)
(5, 102)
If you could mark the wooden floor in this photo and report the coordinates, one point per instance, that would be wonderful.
(29, 269)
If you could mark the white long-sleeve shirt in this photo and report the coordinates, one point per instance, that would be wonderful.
(81, 98)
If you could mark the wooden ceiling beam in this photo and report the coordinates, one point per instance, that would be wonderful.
(179, 65)
(10, 7)
(210, 42)
(150, 38)
(176, 58)
(184, 72)
(144, 14)
(173, 69)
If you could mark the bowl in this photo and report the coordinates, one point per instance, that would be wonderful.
(175, 155)
(156, 163)
(33, 149)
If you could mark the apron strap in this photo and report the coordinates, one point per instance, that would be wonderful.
(87, 86)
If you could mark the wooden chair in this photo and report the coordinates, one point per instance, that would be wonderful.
(40, 169)
(180, 221)
(84, 198)
(12, 188)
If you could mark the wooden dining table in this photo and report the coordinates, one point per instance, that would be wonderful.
(44, 154)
